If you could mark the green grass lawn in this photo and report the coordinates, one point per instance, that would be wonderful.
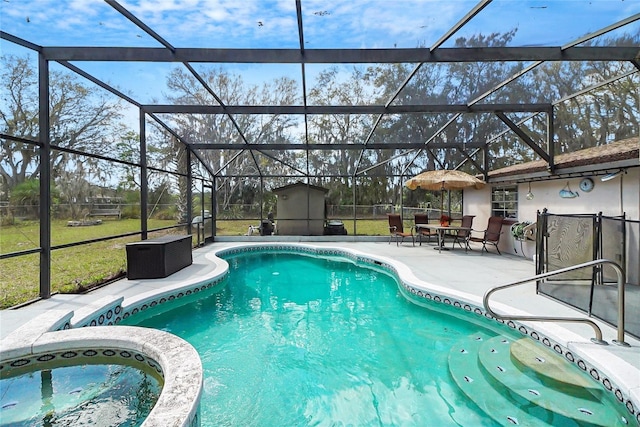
(78, 268)
(72, 269)
(366, 227)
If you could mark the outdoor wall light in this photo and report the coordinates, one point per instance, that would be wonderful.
(529, 194)
(610, 176)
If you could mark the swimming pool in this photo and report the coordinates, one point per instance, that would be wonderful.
(299, 339)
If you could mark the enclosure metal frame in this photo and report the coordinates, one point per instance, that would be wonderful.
(302, 56)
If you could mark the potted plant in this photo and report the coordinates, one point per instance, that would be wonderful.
(527, 242)
(517, 230)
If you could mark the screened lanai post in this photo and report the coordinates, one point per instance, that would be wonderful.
(485, 161)
(308, 207)
(202, 209)
(44, 139)
(550, 142)
(212, 210)
(355, 221)
(189, 201)
(214, 207)
(597, 276)
(261, 200)
(143, 176)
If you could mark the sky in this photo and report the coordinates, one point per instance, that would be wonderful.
(272, 24)
(328, 24)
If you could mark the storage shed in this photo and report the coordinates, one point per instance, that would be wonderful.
(300, 209)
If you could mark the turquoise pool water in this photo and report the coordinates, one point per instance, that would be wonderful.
(295, 340)
(83, 395)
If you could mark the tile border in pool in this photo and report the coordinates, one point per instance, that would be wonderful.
(112, 310)
(74, 357)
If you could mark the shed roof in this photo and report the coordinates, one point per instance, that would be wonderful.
(299, 184)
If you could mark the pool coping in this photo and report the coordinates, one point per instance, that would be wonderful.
(178, 402)
(71, 329)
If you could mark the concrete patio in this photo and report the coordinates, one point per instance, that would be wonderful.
(463, 274)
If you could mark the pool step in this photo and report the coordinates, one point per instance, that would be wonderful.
(466, 372)
(562, 395)
(550, 368)
(501, 378)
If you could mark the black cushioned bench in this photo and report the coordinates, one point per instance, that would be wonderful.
(159, 257)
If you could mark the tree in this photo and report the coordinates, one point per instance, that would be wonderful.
(74, 189)
(127, 150)
(595, 118)
(200, 128)
(80, 119)
(600, 116)
(467, 82)
(25, 198)
(337, 86)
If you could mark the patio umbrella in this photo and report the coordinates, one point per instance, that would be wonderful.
(444, 179)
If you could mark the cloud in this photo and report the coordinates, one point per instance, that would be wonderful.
(85, 7)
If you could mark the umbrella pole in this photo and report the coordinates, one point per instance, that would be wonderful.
(441, 246)
(442, 200)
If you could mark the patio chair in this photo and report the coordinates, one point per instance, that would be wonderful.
(423, 219)
(490, 235)
(396, 229)
(462, 236)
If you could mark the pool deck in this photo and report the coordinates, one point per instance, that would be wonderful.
(463, 273)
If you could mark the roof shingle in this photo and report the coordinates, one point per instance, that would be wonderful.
(625, 149)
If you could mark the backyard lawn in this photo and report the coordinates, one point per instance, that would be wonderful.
(77, 268)
(72, 269)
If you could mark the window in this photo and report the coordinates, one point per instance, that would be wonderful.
(504, 202)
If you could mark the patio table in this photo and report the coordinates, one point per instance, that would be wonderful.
(440, 231)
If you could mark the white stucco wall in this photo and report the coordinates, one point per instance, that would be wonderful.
(478, 203)
(612, 198)
(631, 190)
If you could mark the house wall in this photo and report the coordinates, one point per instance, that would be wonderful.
(478, 203)
(615, 197)
(631, 193)
(300, 212)
(612, 198)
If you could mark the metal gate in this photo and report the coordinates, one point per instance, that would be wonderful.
(564, 240)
